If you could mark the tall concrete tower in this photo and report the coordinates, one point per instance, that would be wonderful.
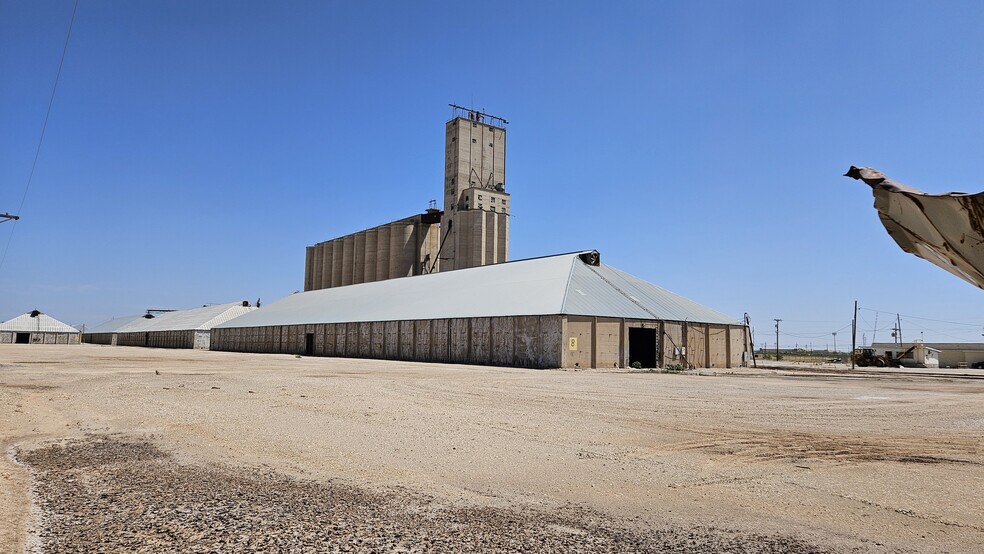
(475, 226)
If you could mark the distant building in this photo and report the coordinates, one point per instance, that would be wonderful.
(37, 328)
(959, 354)
(916, 354)
(568, 310)
(174, 329)
(472, 231)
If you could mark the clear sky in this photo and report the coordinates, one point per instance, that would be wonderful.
(195, 148)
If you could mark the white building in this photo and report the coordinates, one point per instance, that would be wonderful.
(35, 327)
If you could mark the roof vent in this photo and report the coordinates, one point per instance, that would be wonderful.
(591, 258)
(245, 303)
(35, 313)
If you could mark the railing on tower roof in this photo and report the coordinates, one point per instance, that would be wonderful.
(477, 115)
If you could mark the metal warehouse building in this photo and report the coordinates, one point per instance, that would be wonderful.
(568, 310)
(177, 329)
(37, 328)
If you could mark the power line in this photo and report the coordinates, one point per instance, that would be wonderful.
(44, 127)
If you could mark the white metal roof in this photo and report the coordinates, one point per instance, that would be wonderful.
(197, 319)
(114, 325)
(42, 323)
(561, 284)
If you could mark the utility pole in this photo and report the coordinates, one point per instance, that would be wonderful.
(898, 327)
(854, 333)
(777, 339)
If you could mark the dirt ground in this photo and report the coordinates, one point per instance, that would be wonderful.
(157, 450)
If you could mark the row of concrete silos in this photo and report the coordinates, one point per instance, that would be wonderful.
(384, 252)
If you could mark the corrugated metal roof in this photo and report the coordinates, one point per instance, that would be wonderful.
(197, 319)
(605, 291)
(561, 284)
(43, 323)
(114, 325)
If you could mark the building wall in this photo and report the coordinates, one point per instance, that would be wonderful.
(398, 249)
(516, 341)
(37, 337)
(604, 342)
(163, 339)
(528, 341)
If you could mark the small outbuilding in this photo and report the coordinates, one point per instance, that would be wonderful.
(175, 329)
(35, 327)
(568, 310)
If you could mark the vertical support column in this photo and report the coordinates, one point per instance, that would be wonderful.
(370, 265)
(326, 266)
(623, 342)
(359, 258)
(348, 255)
(685, 327)
(319, 260)
(308, 267)
(661, 349)
(707, 345)
(402, 246)
(594, 342)
(727, 346)
(382, 252)
(338, 253)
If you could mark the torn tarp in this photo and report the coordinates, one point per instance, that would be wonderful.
(946, 229)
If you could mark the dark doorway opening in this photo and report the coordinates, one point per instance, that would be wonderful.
(22, 338)
(642, 346)
(309, 344)
(147, 338)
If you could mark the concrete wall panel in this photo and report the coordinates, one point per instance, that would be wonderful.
(352, 340)
(422, 340)
(391, 347)
(577, 347)
(378, 340)
(407, 338)
(527, 341)
(551, 341)
(696, 346)
(503, 335)
(480, 340)
(717, 341)
(365, 339)
(459, 341)
(341, 340)
(608, 343)
(440, 339)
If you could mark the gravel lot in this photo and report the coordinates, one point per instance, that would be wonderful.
(156, 450)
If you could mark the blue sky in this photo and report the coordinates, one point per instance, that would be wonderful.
(195, 148)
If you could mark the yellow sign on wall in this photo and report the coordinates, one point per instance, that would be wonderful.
(572, 343)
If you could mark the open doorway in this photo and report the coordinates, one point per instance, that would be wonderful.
(309, 344)
(642, 346)
(22, 338)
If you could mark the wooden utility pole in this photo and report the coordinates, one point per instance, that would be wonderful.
(777, 339)
(854, 333)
